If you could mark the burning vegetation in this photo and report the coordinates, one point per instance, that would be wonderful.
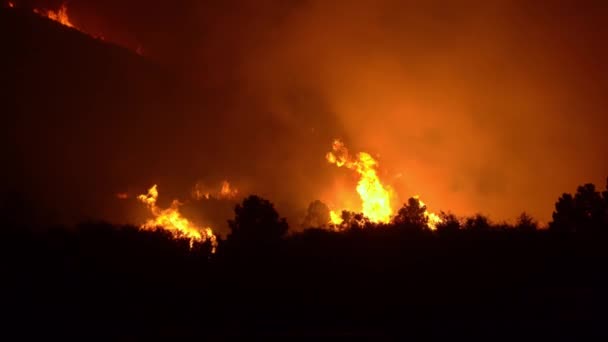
(226, 191)
(172, 220)
(375, 196)
(60, 15)
(376, 201)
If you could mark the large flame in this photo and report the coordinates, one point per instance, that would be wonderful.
(60, 16)
(335, 218)
(172, 220)
(375, 197)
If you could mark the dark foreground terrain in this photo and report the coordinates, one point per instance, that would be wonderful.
(106, 282)
(470, 278)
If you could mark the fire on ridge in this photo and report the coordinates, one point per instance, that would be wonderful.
(60, 16)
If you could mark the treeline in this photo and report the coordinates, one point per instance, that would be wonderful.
(469, 278)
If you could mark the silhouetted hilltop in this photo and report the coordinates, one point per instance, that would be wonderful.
(78, 115)
(25, 29)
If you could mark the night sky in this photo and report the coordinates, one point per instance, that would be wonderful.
(477, 106)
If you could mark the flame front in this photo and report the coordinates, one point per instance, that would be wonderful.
(375, 197)
(335, 218)
(60, 16)
(433, 219)
(172, 220)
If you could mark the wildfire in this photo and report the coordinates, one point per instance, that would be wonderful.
(60, 16)
(375, 197)
(433, 219)
(335, 218)
(171, 220)
(226, 191)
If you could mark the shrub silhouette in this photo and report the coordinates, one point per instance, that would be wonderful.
(449, 223)
(256, 222)
(411, 215)
(583, 212)
(477, 223)
(526, 223)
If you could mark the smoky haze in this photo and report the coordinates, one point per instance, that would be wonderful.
(496, 107)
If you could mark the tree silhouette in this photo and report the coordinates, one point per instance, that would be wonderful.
(353, 220)
(256, 222)
(449, 223)
(564, 216)
(478, 223)
(317, 215)
(525, 223)
(411, 215)
(585, 211)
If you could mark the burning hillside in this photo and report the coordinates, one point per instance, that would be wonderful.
(60, 15)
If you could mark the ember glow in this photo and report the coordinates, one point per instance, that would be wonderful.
(122, 195)
(172, 220)
(375, 197)
(60, 16)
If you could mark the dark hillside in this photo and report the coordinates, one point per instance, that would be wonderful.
(73, 105)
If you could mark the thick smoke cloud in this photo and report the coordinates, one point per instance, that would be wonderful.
(484, 106)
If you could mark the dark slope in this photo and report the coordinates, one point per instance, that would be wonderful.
(78, 118)
(86, 119)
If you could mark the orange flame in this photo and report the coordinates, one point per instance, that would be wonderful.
(227, 191)
(60, 16)
(375, 197)
(11, 4)
(433, 219)
(171, 220)
(335, 218)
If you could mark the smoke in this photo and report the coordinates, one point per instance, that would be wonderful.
(495, 107)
